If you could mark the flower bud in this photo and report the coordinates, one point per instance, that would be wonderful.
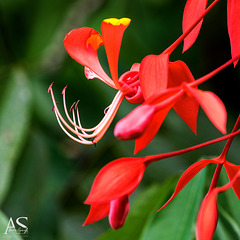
(118, 212)
(207, 217)
(135, 123)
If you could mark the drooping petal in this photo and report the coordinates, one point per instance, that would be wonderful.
(188, 175)
(192, 11)
(186, 107)
(117, 179)
(207, 217)
(232, 170)
(233, 20)
(153, 74)
(134, 124)
(82, 44)
(97, 212)
(151, 129)
(212, 106)
(112, 32)
(118, 212)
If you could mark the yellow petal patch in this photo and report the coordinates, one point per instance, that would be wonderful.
(95, 41)
(117, 22)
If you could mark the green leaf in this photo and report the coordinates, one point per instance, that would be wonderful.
(142, 209)
(10, 235)
(177, 220)
(14, 118)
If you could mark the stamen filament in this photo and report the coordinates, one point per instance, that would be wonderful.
(96, 132)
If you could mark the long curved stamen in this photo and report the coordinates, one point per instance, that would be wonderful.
(84, 134)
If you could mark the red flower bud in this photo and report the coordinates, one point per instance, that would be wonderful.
(207, 217)
(135, 123)
(118, 212)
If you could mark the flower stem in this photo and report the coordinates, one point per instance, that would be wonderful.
(215, 177)
(229, 142)
(181, 38)
(223, 157)
(214, 72)
(158, 157)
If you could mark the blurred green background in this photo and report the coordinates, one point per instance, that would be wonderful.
(46, 176)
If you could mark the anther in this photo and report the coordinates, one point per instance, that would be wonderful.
(64, 89)
(54, 106)
(76, 105)
(72, 107)
(50, 87)
(106, 110)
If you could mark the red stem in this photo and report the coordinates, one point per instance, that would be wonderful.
(223, 156)
(214, 72)
(181, 38)
(229, 142)
(158, 157)
(215, 177)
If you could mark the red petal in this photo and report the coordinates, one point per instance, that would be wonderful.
(151, 130)
(213, 107)
(118, 212)
(233, 20)
(153, 74)
(112, 37)
(178, 72)
(208, 214)
(232, 170)
(188, 175)
(207, 217)
(186, 107)
(193, 10)
(116, 179)
(97, 212)
(81, 44)
(134, 124)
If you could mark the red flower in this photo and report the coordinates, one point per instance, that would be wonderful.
(181, 94)
(82, 45)
(195, 8)
(111, 189)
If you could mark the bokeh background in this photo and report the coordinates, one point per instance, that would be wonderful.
(46, 177)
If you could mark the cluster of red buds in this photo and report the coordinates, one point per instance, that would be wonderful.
(156, 85)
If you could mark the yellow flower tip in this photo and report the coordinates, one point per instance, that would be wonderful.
(117, 22)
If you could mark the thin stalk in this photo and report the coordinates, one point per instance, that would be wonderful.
(181, 38)
(158, 157)
(223, 156)
(214, 72)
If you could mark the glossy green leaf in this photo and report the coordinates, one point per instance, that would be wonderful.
(141, 211)
(14, 120)
(7, 235)
(177, 220)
